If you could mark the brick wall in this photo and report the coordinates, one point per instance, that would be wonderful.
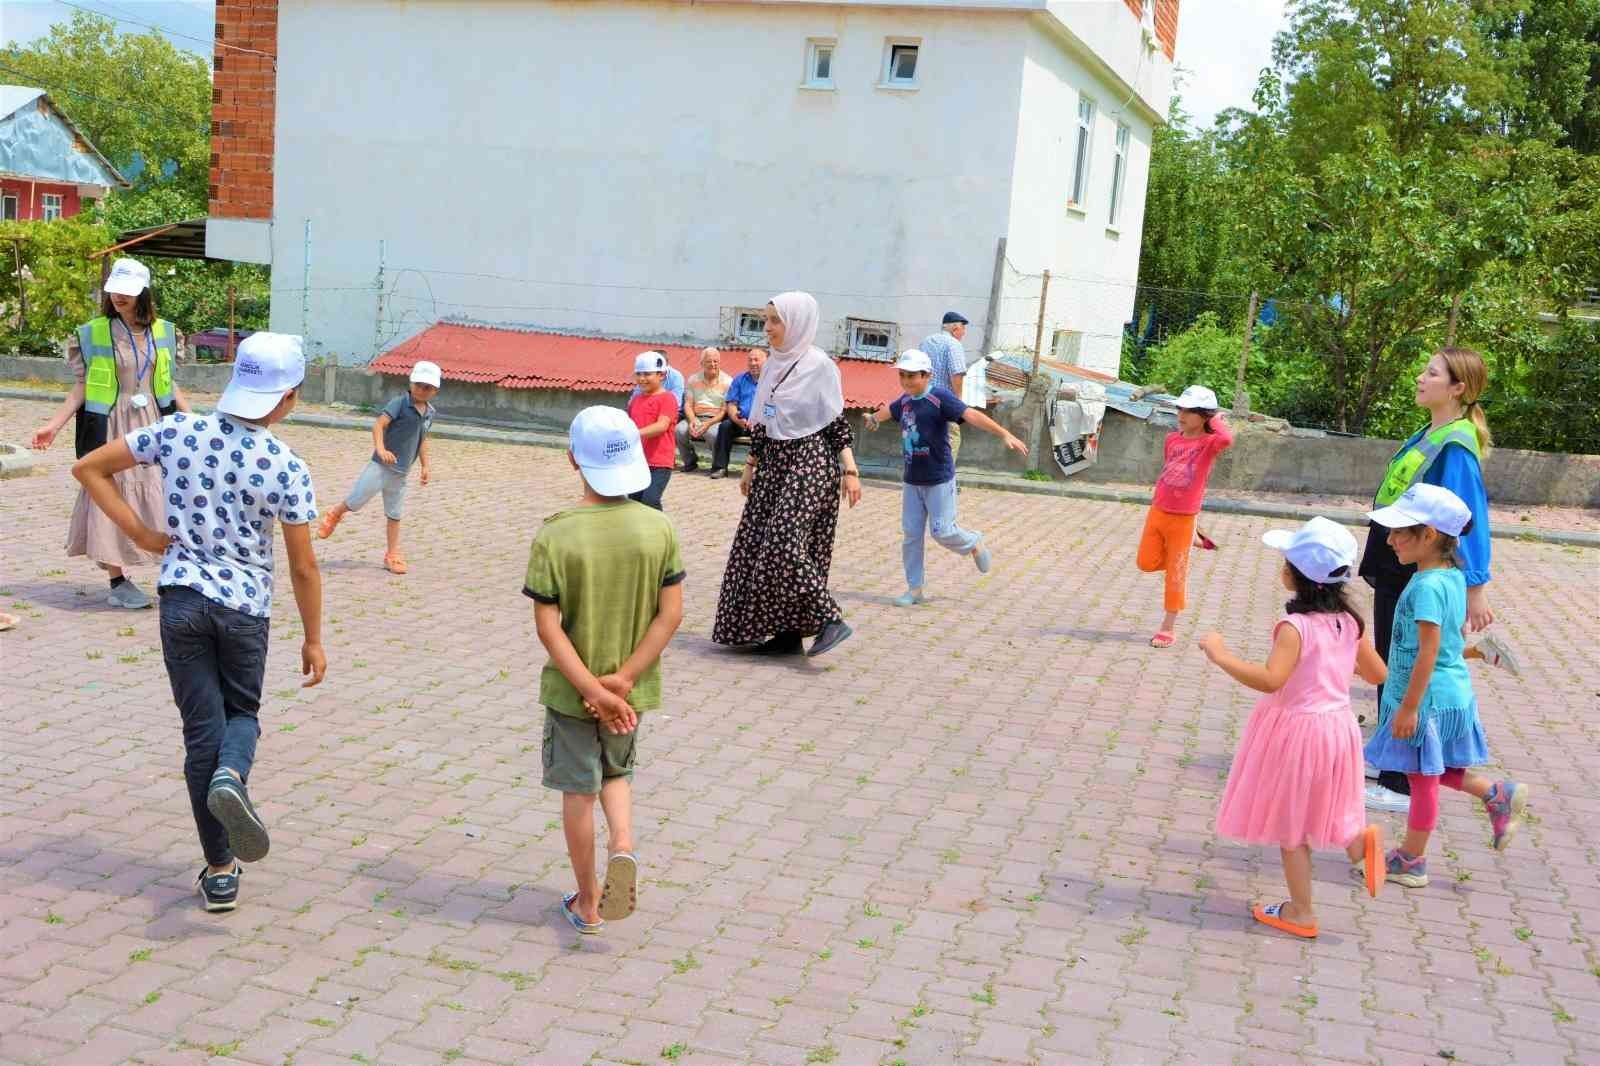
(243, 103)
(1166, 22)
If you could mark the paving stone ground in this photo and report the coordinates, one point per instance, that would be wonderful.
(978, 832)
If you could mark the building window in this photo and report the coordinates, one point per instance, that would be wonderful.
(750, 326)
(900, 64)
(1119, 173)
(52, 206)
(8, 208)
(871, 340)
(1066, 346)
(1082, 143)
(819, 63)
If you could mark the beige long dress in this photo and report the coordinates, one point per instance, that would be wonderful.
(91, 533)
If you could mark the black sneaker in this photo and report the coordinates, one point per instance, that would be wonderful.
(230, 804)
(220, 891)
(833, 634)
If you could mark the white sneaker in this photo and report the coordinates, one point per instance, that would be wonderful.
(128, 595)
(908, 598)
(1379, 798)
(1497, 652)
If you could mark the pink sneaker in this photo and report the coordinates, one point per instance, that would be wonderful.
(1504, 806)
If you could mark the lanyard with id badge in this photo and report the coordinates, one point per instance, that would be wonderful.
(142, 363)
(770, 409)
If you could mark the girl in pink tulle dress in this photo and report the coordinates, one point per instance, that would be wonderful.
(1297, 777)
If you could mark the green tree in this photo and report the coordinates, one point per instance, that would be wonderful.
(1549, 55)
(54, 291)
(143, 102)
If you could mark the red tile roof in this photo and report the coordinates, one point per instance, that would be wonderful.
(521, 359)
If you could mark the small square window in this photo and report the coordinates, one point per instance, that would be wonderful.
(819, 63)
(1066, 346)
(8, 208)
(750, 327)
(871, 340)
(900, 64)
(52, 206)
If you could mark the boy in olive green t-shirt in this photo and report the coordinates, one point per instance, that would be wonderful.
(606, 579)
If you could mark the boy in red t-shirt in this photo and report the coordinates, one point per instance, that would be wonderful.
(654, 410)
(1203, 434)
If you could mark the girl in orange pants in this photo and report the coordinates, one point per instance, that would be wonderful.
(1165, 545)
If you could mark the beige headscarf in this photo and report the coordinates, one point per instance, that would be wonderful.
(800, 391)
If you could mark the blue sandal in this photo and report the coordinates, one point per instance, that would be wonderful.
(587, 928)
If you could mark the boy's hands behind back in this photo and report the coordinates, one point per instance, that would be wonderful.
(613, 711)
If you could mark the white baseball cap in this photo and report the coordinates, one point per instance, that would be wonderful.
(1198, 397)
(266, 367)
(914, 361)
(605, 445)
(128, 277)
(426, 373)
(1425, 505)
(650, 363)
(1317, 549)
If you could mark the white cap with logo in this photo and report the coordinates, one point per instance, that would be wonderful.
(128, 277)
(426, 373)
(1425, 505)
(605, 445)
(914, 361)
(650, 363)
(1318, 549)
(265, 368)
(1197, 398)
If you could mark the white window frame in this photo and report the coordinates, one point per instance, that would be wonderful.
(886, 78)
(46, 207)
(814, 48)
(16, 207)
(1066, 346)
(1082, 153)
(1119, 174)
(857, 330)
(744, 336)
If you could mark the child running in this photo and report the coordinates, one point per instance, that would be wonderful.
(606, 581)
(1202, 435)
(1297, 777)
(928, 497)
(399, 438)
(226, 478)
(654, 410)
(1428, 726)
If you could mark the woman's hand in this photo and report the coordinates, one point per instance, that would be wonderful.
(850, 484)
(44, 436)
(745, 479)
(1404, 726)
(1479, 614)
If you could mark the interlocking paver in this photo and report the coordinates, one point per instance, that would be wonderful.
(978, 833)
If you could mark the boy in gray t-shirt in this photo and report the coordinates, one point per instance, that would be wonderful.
(399, 437)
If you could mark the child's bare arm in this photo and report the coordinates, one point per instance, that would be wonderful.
(656, 428)
(669, 615)
(422, 455)
(307, 579)
(1267, 678)
(975, 417)
(611, 708)
(94, 472)
(377, 439)
(1370, 666)
(878, 417)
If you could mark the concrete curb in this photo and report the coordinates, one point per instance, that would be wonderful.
(998, 482)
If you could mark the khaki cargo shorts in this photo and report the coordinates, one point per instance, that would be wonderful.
(579, 755)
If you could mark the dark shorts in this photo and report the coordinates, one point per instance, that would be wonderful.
(579, 755)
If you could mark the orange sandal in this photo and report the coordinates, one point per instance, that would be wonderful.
(1271, 915)
(329, 523)
(1374, 867)
(395, 563)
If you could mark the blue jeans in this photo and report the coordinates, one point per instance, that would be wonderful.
(216, 658)
(930, 507)
(650, 495)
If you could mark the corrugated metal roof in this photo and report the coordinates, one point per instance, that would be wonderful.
(515, 358)
(40, 145)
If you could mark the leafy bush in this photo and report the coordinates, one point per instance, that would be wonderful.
(60, 281)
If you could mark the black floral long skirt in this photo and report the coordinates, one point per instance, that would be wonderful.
(777, 575)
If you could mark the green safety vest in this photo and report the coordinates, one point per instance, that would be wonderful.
(100, 362)
(1409, 464)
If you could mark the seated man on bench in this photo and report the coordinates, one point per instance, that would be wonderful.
(736, 426)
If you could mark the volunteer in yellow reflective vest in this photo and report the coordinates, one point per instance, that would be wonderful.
(1447, 452)
(124, 363)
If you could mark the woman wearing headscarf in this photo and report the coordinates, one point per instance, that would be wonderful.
(775, 588)
(124, 361)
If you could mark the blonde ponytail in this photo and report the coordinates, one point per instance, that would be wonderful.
(1467, 369)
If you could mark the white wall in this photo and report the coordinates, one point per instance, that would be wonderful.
(644, 146)
(1094, 266)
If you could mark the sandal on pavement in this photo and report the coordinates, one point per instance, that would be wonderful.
(1203, 541)
(586, 928)
(1272, 914)
(1163, 639)
(395, 563)
(619, 896)
(1372, 868)
(329, 523)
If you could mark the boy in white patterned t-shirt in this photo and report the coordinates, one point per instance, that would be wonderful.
(226, 478)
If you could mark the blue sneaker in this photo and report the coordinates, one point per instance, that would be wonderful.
(909, 598)
(1412, 873)
(1504, 806)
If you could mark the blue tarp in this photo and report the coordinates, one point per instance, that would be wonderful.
(38, 142)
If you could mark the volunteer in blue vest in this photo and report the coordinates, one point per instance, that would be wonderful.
(123, 361)
(1446, 452)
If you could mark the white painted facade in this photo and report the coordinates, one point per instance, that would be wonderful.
(641, 168)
